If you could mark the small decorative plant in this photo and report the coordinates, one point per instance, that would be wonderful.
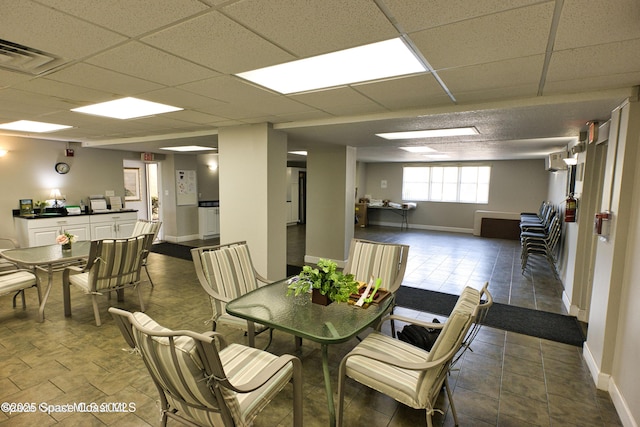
(40, 205)
(326, 279)
(65, 239)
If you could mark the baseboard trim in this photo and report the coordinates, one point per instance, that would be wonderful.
(176, 239)
(424, 227)
(600, 379)
(622, 408)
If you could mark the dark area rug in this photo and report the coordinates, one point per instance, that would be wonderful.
(173, 249)
(184, 252)
(536, 323)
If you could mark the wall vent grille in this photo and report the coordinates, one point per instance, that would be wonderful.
(27, 60)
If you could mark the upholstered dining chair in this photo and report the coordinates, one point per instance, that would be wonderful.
(408, 374)
(112, 265)
(226, 272)
(387, 261)
(200, 384)
(144, 226)
(16, 281)
(7, 243)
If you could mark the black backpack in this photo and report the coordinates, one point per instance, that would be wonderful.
(420, 336)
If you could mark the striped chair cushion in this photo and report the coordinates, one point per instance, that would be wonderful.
(229, 272)
(375, 260)
(187, 387)
(118, 263)
(15, 281)
(411, 387)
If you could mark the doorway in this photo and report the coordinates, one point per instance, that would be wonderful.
(302, 197)
(154, 211)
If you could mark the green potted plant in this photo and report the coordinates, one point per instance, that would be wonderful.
(326, 282)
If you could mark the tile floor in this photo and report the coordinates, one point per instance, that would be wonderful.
(508, 379)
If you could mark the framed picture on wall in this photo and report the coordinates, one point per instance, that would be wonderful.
(132, 183)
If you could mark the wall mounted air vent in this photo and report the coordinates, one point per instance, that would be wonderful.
(555, 161)
(27, 60)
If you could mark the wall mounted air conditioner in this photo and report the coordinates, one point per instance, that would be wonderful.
(555, 161)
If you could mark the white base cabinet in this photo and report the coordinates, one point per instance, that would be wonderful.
(41, 232)
(208, 222)
(112, 226)
(44, 231)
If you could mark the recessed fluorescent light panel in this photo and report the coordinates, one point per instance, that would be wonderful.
(418, 149)
(126, 108)
(187, 148)
(299, 153)
(374, 61)
(429, 133)
(29, 126)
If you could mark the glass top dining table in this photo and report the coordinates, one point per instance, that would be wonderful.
(336, 323)
(49, 258)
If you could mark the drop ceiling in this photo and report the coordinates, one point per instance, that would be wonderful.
(527, 74)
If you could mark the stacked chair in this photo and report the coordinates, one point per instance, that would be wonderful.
(539, 235)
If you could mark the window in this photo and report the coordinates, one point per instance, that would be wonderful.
(458, 184)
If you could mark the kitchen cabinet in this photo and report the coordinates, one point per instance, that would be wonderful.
(208, 222)
(113, 225)
(44, 231)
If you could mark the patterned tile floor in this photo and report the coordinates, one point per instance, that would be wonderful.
(508, 379)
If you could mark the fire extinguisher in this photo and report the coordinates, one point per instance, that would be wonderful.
(570, 209)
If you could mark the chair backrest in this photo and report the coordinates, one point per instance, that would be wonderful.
(486, 301)
(450, 340)
(226, 270)
(184, 366)
(7, 243)
(144, 226)
(387, 261)
(116, 262)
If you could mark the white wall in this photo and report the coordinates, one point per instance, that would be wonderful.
(27, 172)
(516, 186)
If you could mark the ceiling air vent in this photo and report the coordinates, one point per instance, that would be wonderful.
(27, 60)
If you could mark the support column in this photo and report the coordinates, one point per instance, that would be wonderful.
(252, 173)
(331, 175)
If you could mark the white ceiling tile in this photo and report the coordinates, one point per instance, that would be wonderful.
(137, 59)
(235, 91)
(37, 102)
(594, 61)
(129, 17)
(9, 78)
(395, 94)
(497, 93)
(196, 117)
(592, 22)
(416, 15)
(42, 28)
(494, 75)
(339, 101)
(77, 95)
(577, 85)
(100, 79)
(181, 97)
(511, 34)
(308, 28)
(215, 41)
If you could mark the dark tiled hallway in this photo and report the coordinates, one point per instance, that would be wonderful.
(509, 379)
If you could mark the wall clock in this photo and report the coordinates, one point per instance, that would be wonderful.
(62, 167)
